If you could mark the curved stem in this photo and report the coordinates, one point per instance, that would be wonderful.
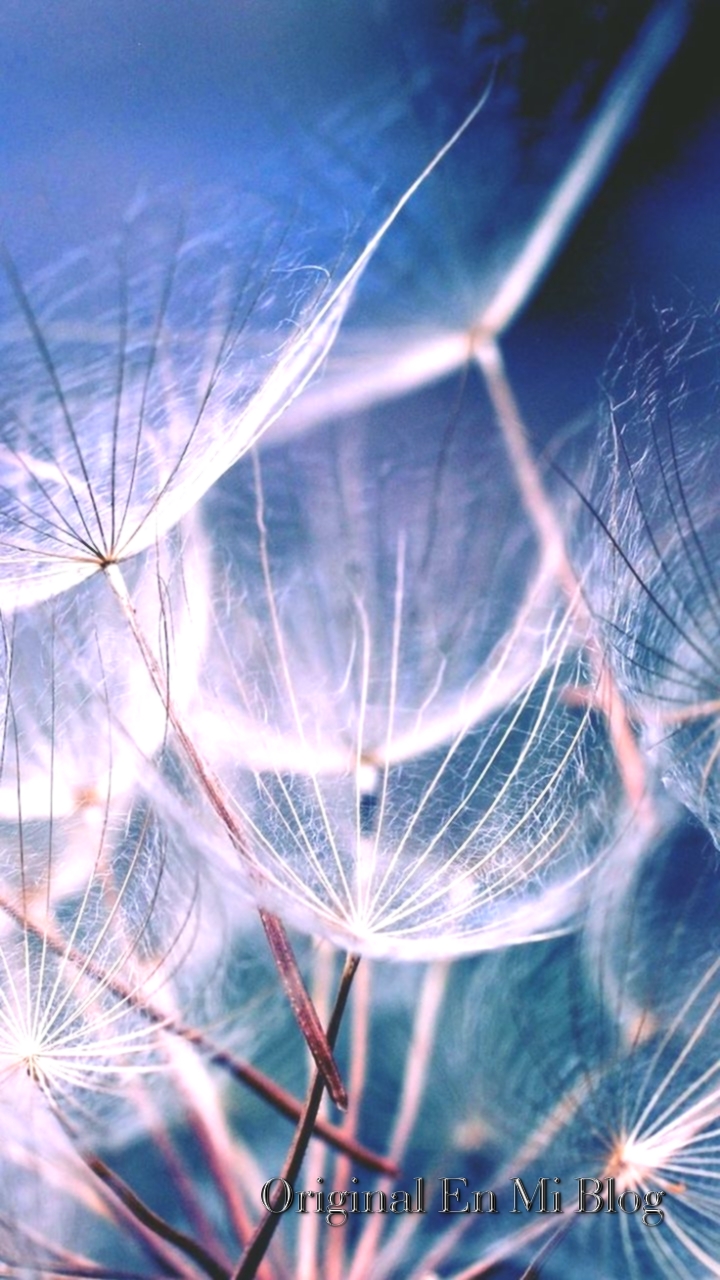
(149, 1224)
(152, 1221)
(260, 1084)
(258, 1245)
(551, 538)
(283, 955)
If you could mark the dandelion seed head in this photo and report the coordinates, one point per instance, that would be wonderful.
(97, 914)
(135, 373)
(386, 698)
(657, 534)
(82, 717)
(572, 1091)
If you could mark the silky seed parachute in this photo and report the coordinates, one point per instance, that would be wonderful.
(80, 954)
(118, 411)
(135, 373)
(390, 695)
(655, 535)
(101, 467)
(620, 1128)
(84, 716)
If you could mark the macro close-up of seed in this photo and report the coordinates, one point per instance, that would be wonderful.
(359, 621)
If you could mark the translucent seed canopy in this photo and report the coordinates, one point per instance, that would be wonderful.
(92, 926)
(98, 906)
(136, 372)
(390, 705)
(81, 718)
(571, 1095)
(656, 533)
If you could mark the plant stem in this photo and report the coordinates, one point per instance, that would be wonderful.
(272, 1093)
(417, 1065)
(552, 542)
(149, 1225)
(290, 976)
(152, 1221)
(335, 1256)
(258, 1245)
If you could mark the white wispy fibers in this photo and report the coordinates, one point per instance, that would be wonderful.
(136, 374)
(103, 931)
(137, 371)
(655, 528)
(567, 1095)
(80, 954)
(87, 989)
(98, 907)
(391, 672)
(82, 716)
(108, 440)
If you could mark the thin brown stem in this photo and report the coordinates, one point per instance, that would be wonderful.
(183, 1185)
(550, 535)
(290, 976)
(311, 1227)
(207, 1121)
(303, 1007)
(335, 1259)
(147, 1218)
(258, 1245)
(272, 1093)
(173, 1247)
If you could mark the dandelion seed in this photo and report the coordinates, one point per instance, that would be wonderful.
(658, 535)
(83, 710)
(94, 918)
(133, 375)
(118, 412)
(627, 1123)
(64, 1024)
(83, 518)
(391, 720)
